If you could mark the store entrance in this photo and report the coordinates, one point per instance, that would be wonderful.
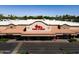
(35, 38)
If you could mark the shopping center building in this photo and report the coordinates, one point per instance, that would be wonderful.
(38, 29)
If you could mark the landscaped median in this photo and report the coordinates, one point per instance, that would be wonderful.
(72, 40)
(3, 39)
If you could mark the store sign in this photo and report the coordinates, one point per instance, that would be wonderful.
(38, 27)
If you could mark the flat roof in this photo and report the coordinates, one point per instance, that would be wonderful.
(30, 21)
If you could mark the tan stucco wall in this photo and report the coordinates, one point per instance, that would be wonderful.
(48, 29)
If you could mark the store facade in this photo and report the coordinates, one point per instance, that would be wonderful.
(38, 29)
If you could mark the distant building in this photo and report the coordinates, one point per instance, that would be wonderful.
(38, 29)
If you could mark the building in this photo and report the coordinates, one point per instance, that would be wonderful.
(38, 29)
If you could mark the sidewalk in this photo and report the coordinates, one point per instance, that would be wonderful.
(17, 48)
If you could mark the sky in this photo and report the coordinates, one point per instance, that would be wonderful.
(35, 10)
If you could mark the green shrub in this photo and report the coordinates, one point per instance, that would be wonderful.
(72, 40)
(3, 39)
(24, 52)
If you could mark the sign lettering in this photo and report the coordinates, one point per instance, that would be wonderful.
(38, 27)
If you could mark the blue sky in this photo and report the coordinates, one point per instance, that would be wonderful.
(49, 10)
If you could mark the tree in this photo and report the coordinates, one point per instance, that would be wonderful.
(30, 17)
(65, 17)
(25, 17)
(46, 17)
(39, 17)
(73, 17)
(76, 19)
(58, 17)
(1, 16)
(12, 17)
